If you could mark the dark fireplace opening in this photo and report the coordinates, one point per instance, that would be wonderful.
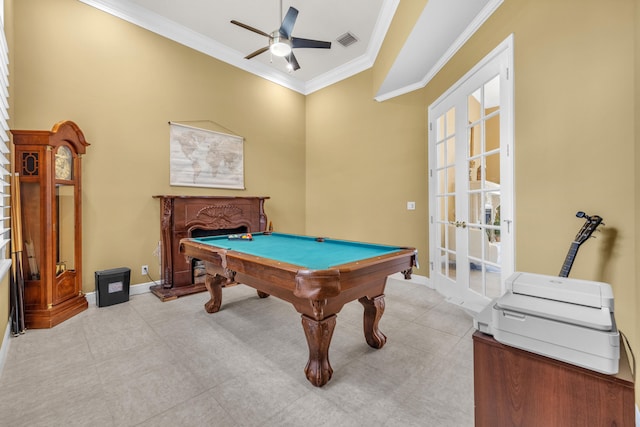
(198, 272)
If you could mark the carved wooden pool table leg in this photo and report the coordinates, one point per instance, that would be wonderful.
(373, 309)
(214, 286)
(318, 333)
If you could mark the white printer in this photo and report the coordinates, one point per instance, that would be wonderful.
(565, 319)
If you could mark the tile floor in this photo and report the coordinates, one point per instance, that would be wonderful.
(149, 363)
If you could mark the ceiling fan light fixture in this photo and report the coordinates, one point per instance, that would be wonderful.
(278, 45)
(281, 42)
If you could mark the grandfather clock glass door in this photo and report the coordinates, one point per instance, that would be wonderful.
(31, 224)
(65, 236)
(65, 201)
(65, 198)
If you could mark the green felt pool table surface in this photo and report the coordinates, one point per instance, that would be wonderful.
(309, 252)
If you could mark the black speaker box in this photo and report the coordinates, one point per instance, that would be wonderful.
(112, 286)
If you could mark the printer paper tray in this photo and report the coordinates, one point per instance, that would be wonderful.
(578, 345)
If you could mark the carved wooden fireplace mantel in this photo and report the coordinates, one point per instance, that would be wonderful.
(191, 216)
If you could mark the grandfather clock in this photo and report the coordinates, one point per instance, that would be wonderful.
(48, 164)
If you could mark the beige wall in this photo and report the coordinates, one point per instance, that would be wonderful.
(365, 160)
(338, 163)
(636, 259)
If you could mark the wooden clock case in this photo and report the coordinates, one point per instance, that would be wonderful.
(51, 222)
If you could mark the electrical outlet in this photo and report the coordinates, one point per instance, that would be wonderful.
(144, 270)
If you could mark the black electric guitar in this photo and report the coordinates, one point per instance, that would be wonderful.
(589, 226)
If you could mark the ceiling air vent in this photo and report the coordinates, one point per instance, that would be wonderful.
(347, 39)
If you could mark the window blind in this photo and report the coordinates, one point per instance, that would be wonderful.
(5, 153)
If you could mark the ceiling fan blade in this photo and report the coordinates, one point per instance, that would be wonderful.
(257, 52)
(293, 62)
(296, 43)
(288, 22)
(247, 27)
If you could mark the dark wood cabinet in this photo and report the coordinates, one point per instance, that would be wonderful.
(197, 216)
(515, 388)
(50, 176)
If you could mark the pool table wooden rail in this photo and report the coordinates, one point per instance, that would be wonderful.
(318, 295)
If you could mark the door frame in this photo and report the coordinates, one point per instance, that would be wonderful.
(502, 57)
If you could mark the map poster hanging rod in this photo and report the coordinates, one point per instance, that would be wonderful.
(191, 123)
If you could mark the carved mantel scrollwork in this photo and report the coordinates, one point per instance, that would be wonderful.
(218, 217)
(167, 210)
(165, 228)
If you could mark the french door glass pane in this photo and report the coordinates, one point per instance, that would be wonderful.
(452, 266)
(442, 209)
(491, 91)
(451, 180)
(441, 153)
(492, 168)
(442, 183)
(451, 121)
(493, 133)
(473, 105)
(440, 127)
(451, 208)
(451, 151)
(475, 140)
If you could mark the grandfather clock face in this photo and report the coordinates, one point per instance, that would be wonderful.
(64, 163)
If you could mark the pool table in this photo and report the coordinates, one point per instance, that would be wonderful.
(317, 275)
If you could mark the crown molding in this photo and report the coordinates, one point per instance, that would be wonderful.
(164, 27)
(457, 44)
(363, 62)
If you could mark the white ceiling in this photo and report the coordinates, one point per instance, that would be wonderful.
(205, 25)
(446, 25)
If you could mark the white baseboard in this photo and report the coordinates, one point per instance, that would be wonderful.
(140, 288)
(415, 279)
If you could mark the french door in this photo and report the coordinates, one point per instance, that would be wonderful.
(471, 183)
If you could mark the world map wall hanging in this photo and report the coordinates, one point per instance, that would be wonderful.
(205, 158)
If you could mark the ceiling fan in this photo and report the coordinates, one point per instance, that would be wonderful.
(281, 42)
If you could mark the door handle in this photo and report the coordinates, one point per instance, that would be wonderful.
(459, 224)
